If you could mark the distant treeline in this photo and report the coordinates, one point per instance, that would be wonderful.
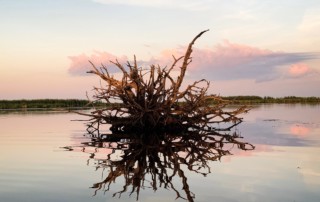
(77, 103)
(43, 104)
(258, 99)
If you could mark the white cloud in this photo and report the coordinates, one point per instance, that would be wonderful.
(311, 22)
(308, 31)
(181, 4)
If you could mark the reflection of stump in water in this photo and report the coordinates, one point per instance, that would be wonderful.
(153, 160)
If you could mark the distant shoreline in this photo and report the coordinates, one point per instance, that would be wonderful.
(268, 99)
(44, 104)
(78, 104)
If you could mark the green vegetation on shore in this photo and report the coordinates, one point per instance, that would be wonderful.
(43, 104)
(265, 100)
(78, 103)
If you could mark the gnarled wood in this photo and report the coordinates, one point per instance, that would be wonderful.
(151, 99)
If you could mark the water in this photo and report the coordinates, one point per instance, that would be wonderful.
(285, 166)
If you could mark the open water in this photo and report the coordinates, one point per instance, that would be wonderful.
(284, 167)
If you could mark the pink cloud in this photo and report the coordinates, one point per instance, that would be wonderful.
(225, 55)
(80, 63)
(229, 61)
(224, 61)
(299, 70)
(228, 55)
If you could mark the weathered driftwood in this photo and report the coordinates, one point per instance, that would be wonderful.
(152, 99)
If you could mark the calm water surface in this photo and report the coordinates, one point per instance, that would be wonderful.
(285, 166)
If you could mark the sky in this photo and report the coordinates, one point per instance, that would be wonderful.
(254, 47)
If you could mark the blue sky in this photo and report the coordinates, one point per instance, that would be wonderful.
(266, 48)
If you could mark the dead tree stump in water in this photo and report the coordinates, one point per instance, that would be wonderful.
(152, 99)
